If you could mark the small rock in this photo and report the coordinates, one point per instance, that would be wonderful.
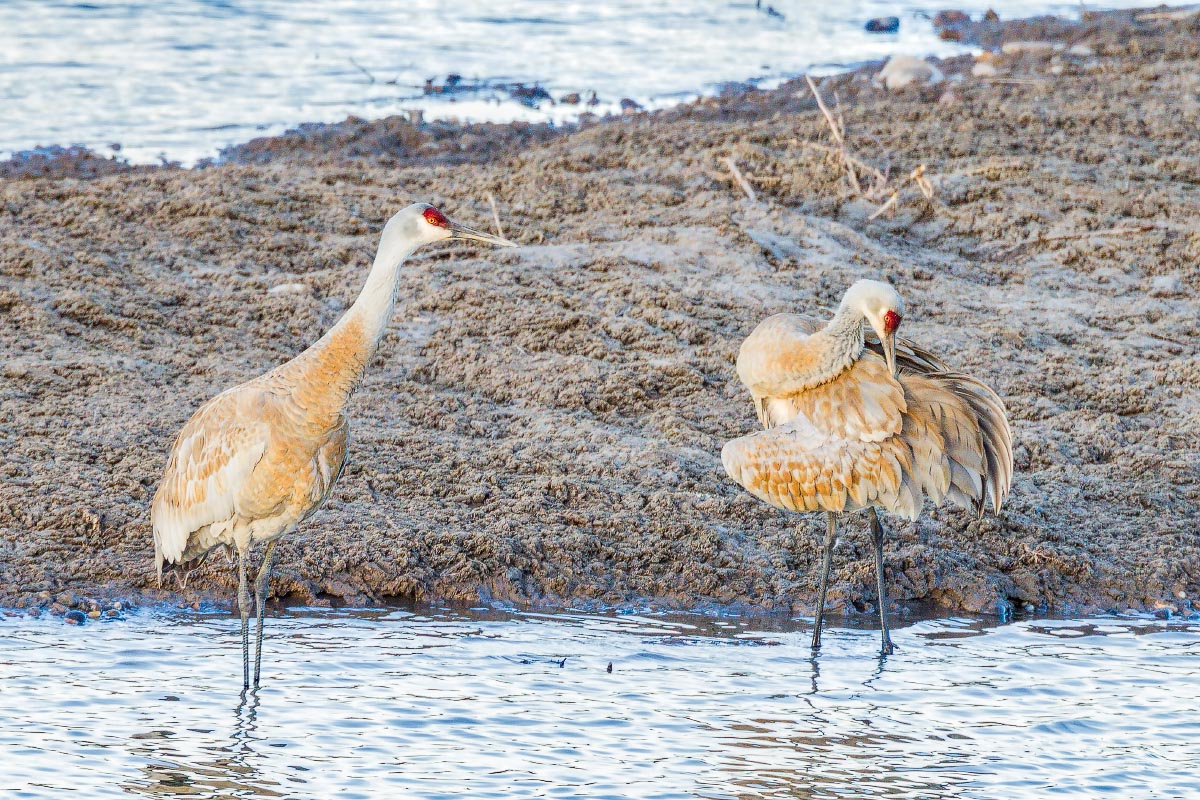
(902, 71)
(883, 25)
(1037, 49)
(34, 612)
(1162, 613)
(951, 18)
(629, 106)
(66, 598)
(984, 69)
(289, 288)
(58, 609)
(571, 99)
(74, 617)
(94, 614)
(991, 16)
(951, 35)
(948, 98)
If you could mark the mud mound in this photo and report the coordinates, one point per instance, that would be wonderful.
(544, 424)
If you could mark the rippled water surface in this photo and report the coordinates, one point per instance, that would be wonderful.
(436, 704)
(182, 78)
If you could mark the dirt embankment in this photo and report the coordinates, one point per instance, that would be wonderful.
(544, 424)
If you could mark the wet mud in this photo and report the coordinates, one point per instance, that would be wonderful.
(543, 425)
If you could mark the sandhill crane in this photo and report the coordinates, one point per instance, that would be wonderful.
(256, 460)
(854, 423)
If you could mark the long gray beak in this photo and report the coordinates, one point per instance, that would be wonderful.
(889, 351)
(463, 232)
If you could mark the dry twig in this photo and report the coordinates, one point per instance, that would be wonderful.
(1074, 235)
(496, 216)
(741, 179)
(363, 70)
(880, 189)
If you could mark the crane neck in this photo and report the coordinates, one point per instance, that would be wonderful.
(327, 373)
(844, 339)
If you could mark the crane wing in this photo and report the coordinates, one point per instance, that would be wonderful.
(975, 439)
(796, 467)
(214, 455)
(775, 359)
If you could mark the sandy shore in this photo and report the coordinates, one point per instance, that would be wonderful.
(544, 425)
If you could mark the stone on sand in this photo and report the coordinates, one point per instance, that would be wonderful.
(902, 71)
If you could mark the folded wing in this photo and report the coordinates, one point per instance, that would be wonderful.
(212, 458)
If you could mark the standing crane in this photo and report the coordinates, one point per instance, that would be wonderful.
(258, 459)
(856, 422)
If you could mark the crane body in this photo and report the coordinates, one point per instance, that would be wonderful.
(855, 423)
(258, 459)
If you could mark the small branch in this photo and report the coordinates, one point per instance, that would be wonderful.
(362, 69)
(881, 186)
(890, 204)
(741, 179)
(917, 176)
(1064, 237)
(874, 172)
(496, 216)
(833, 126)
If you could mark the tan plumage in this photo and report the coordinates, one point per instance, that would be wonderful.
(258, 459)
(846, 432)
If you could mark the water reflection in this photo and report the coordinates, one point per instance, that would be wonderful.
(429, 703)
(219, 770)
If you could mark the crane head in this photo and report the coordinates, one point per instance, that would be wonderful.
(439, 226)
(421, 224)
(438, 220)
(880, 305)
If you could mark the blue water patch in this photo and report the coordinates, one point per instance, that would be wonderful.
(181, 79)
(435, 703)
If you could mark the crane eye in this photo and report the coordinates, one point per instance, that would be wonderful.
(435, 217)
(891, 321)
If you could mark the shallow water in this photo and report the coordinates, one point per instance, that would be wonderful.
(438, 704)
(179, 79)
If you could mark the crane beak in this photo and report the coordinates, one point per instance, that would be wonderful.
(463, 232)
(889, 351)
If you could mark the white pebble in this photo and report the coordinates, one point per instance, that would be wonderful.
(289, 288)
(901, 71)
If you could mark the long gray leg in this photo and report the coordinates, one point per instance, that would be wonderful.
(877, 535)
(830, 534)
(244, 607)
(260, 600)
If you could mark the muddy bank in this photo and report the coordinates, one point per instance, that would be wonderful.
(543, 424)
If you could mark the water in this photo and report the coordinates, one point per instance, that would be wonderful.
(180, 79)
(439, 704)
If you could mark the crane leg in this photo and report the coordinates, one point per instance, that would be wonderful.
(877, 535)
(244, 608)
(830, 535)
(260, 601)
